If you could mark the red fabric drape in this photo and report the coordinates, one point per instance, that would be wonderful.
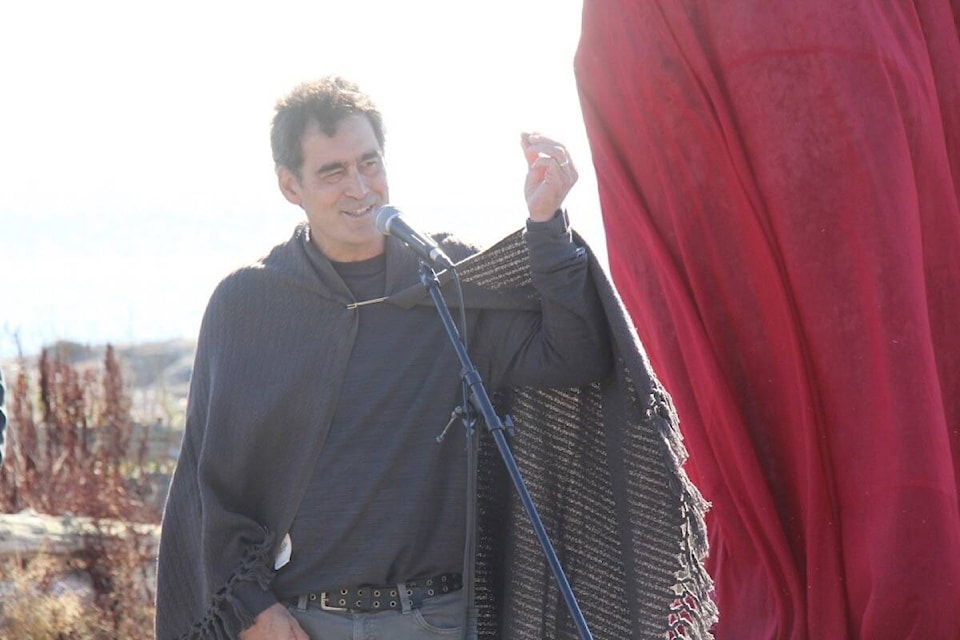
(779, 184)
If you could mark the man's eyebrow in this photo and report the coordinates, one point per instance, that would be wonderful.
(331, 167)
(337, 166)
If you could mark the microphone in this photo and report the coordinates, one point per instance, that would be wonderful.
(390, 223)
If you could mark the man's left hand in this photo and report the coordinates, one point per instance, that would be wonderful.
(550, 175)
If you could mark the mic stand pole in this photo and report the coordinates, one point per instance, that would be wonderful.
(480, 401)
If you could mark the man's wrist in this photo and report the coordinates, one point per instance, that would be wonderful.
(556, 223)
(538, 218)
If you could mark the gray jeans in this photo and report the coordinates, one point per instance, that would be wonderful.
(438, 617)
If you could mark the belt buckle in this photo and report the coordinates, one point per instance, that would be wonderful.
(329, 607)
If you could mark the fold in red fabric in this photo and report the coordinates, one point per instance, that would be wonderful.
(779, 185)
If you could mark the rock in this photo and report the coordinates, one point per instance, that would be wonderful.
(78, 584)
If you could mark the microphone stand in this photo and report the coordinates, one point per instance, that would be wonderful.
(480, 401)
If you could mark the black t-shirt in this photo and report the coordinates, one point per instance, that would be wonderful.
(385, 500)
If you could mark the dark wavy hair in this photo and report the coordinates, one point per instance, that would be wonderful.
(326, 102)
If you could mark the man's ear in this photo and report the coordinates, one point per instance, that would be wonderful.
(289, 186)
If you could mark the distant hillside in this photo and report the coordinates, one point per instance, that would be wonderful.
(156, 374)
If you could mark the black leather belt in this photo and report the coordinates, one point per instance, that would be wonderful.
(372, 598)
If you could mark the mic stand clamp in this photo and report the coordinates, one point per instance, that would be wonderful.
(481, 403)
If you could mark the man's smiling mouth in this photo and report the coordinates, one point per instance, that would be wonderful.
(359, 213)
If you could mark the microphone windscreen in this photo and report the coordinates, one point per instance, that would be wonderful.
(385, 216)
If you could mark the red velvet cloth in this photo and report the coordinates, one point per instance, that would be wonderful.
(779, 184)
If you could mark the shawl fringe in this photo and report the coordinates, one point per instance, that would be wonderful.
(691, 616)
(226, 616)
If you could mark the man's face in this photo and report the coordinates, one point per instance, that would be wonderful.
(342, 184)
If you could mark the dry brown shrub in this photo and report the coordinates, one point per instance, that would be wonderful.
(33, 608)
(37, 604)
(70, 451)
(70, 445)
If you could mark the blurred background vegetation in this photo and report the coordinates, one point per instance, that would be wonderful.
(92, 439)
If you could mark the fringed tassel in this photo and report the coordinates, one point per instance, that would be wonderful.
(693, 612)
(226, 615)
(660, 410)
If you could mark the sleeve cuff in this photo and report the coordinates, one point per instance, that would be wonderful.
(557, 225)
(551, 243)
(253, 598)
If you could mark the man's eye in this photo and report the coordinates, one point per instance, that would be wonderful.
(370, 166)
(333, 176)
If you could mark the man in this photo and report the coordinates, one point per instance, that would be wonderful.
(311, 499)
(391, 378)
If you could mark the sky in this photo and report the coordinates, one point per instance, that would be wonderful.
(135, 166)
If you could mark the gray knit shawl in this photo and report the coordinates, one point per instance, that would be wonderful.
(603, 464)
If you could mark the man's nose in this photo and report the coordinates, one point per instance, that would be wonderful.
(356, 186)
